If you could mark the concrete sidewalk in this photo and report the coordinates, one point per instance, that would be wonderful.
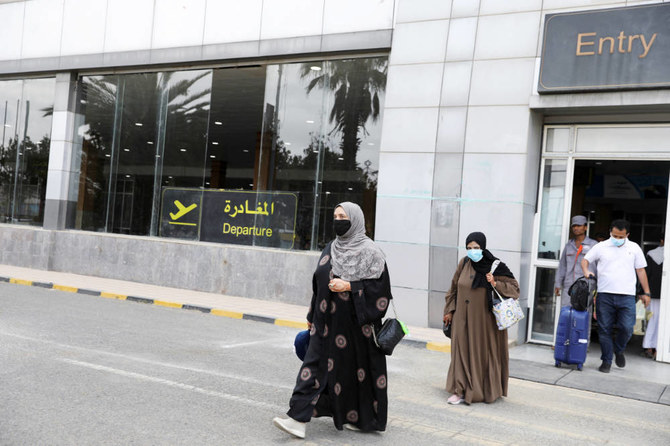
(217, 304)
(642, 379)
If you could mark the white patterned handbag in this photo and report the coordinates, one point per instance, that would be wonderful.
(508, 311)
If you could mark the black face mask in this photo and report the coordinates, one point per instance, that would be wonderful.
(341, 226)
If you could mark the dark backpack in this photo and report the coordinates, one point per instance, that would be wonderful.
(581, 293)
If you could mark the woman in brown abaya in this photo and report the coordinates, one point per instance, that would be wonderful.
(479, 355)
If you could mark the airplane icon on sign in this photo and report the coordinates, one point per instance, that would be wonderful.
(183, 210)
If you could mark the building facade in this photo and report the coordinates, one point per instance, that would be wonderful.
(203, 144)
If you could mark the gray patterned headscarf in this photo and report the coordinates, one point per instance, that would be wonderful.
(354, 255)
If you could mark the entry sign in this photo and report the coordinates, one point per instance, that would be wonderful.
(607, 49)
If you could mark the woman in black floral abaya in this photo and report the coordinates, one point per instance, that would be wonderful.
(344, 374)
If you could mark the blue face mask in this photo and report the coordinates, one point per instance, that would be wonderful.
(475, 254)
(617, 241)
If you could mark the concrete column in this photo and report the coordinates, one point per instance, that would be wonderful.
(61, 173)
(408, 151)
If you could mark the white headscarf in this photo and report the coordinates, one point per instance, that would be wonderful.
(354, 256)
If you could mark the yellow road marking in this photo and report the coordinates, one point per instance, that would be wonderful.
(288, 323)
(183, 224)
(438, 347)
(164, 303)
(224, 313)
(66, 288)
(113, 296)
(21, 282)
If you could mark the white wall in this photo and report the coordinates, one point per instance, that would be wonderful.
(56, 28)
(460, 145)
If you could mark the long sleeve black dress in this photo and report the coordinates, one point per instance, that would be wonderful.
(344, 373)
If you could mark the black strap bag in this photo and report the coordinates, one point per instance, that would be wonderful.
(446, 329)
(581, 293)
(390, 334)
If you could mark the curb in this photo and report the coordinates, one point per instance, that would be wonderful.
(417, 343)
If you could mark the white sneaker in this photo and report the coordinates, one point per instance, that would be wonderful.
(351, 427)
(293, 427)
(455, 399)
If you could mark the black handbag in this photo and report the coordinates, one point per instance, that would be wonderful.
(390, 334)
(446, 329)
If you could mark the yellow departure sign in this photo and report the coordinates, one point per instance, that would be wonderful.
(182, 210)
(230, 216)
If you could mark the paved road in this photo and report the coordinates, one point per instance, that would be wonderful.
(77, 369)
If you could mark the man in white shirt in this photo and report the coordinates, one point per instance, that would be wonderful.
(618, 261)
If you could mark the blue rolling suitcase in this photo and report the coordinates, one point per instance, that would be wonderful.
(572, 337)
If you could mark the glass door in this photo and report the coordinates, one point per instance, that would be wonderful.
(549, 244)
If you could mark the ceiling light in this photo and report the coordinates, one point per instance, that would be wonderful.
(127, 176)
(327, 192)
(215, 143)
(83, 101)
(350, 188)
(170, 177)
(150, 142)
(183, 150)
(341, 159)
(207, 183)
(108, 155)
(126, 150)
(212, 156)
(218, 122)
(246, 150)
(158, 156)
(315, 68)
(139, 124)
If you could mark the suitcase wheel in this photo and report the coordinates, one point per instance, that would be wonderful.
(558, 364)
(579, 367)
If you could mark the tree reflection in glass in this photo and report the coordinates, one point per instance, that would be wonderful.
(26, 109)
(141, 132)
(325, 145)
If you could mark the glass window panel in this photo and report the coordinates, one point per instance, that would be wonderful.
(10, 106)
(235, 127)
(551, 219)
(323, 121)
(26, 107)
(180, 150)
(544, 305)
(133, 160)
(558, 140)
(623, 139)
(97, 110)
